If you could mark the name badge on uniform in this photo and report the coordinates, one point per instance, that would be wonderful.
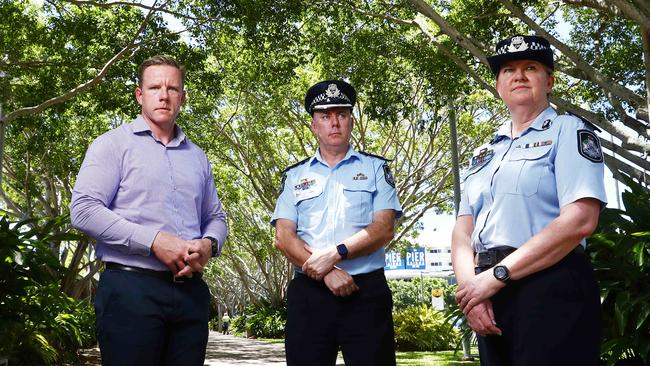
(537, 144)
(483, 157)
(306, 188)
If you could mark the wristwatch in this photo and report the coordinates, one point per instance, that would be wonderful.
(501, 273)
(215, 246)
(342, 250)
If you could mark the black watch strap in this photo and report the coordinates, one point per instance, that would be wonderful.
(342, 250)
(215, 245)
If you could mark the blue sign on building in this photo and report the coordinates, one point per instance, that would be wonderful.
(415, 259)
(393, 261)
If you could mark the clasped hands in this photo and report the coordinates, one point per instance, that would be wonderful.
(473, 298)
(182, 257)
(321, 266)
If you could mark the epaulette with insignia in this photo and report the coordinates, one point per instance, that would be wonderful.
(585, 121)
(374, 156)
(294, 165)
(496, 139)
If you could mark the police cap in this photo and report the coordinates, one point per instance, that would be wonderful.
(521, 48)
(330, 94)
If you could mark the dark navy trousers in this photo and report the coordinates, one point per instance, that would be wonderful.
(319, 323)
(550, 318)
(148, 321)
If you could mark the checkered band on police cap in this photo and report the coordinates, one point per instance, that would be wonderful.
(522, 48)
(330, 94)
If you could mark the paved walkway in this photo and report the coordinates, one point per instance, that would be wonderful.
(227, 350)
(224, 350)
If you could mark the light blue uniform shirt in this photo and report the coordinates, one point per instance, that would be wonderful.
(329, 205)
(131, 186)
(515, 187)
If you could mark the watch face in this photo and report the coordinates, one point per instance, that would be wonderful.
(342, 250)
(500, 273)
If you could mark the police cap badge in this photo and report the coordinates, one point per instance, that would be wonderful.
(330, 94)
(521, 48)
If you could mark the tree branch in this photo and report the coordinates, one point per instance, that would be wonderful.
(590, 73)
(131, 46)
(152, 8)
(621, 9)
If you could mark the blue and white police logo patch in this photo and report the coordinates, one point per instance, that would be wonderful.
(546, 125)
(389, 176)
(589, 146)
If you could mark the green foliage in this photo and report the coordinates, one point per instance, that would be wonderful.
(408, 293)
(261, 321)
(620, 252)
(421, 328)
(40, 324)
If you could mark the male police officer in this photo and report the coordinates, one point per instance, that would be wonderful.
(335, 213)
(145, 192)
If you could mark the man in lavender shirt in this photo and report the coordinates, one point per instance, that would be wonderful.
(146, 193)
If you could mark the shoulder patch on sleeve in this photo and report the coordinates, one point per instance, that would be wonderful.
(589, 146)
(374, 156)
(388, 176)
(294, 165)
(284, 179)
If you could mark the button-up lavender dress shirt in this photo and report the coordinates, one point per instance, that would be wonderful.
(131, 186)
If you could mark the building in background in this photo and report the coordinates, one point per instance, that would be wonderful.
(419, 262)
(432, 257)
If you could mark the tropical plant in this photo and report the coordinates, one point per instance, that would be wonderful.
(40, 324)
(422, 328)
(620, 251)
(261, 321)
(415, 291)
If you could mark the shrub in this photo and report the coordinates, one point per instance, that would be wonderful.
(40, 324)
(620, 252)
(408, 293)
(261, 321)
(421, 328)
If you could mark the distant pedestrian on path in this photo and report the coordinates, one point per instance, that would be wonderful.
(226, 323)
(145, 192)
(335, 213)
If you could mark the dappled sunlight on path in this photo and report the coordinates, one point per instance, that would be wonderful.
(230, 350)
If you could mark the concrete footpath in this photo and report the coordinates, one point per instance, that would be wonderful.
(227, 350)
(223, 350)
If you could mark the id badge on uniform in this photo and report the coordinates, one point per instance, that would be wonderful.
(307, 188)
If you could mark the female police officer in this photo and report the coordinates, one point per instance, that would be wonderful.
(530, 197)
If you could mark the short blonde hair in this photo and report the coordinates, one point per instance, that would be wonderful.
(159, 60)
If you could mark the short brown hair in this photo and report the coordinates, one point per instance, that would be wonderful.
(159, 60)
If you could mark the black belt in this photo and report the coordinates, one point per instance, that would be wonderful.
(491, 257)
(164, 275)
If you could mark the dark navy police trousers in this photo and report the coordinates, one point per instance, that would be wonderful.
(319, 323)
(550, 318)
